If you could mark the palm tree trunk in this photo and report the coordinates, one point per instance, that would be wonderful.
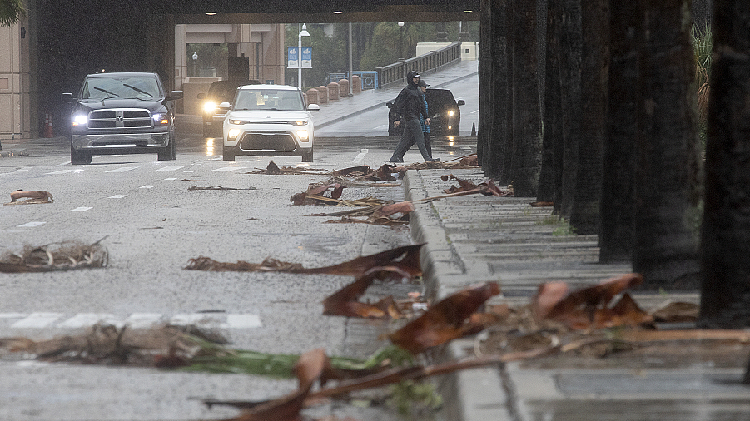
(616, 240)
(725, 299)
(668, 168)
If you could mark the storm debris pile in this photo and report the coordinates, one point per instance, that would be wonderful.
(62, 256)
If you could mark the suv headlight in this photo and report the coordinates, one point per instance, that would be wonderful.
(303, 135)
(238, 122)
(232, 134)
(451, 113)
(298, 123)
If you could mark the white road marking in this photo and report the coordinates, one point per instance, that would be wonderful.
(117, 196)
(228, 168)
(170, 179)
(82, 209)
(41, 320)
(64, 172)
(361, 156)
(142, 320)
(32, 224)
(36, 321)
(146, 187)
(242, 321)
(64, 163)
(122, 169)
(87, 319)
(172, 168)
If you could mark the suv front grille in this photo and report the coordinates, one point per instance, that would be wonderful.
(120, 117)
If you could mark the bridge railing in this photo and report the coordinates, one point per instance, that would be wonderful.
(396, 72)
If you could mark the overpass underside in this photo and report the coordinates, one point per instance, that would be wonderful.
(71, 39)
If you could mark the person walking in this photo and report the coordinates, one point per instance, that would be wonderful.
(424, 122)
(409, 107)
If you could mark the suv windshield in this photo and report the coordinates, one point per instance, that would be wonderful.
(98, 88)
(268, 99)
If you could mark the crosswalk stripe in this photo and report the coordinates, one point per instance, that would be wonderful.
(41, 320)
(87, 319)
(170, 168)
(37, 321)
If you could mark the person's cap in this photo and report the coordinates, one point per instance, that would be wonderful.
(415, 75)
(423, 84)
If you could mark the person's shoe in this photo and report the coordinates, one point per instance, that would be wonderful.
(432, 160)
(394, 159)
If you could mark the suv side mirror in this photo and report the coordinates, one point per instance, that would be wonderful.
(174, 95)
(460, 102)
(313, 107)
(68, 97)
(225, 104)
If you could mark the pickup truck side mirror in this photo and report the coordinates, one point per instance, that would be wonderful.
(460, 102)
(68, 97)
(174, 95)
(313, 107)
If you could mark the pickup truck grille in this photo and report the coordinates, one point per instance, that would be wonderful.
(120, 117)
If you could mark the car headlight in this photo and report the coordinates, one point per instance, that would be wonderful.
(298, 123)
(303, 135)
(451, 113)
(233, 133)
(209, 107)
(79, 120)
(160, 119)
(238, 122)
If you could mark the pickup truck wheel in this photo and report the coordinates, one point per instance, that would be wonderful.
(307, 155)
(228, 153)
(167, 153)
(79, 158)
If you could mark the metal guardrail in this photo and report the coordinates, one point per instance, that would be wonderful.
(396, 72)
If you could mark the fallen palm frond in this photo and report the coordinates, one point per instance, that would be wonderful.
(63, 256)
(32, 197)
(376, 215)
(217, 188)
(465, 186)
(405, 258)
(449, 319)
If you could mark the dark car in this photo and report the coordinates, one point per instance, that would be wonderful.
(442, 108)
(219, 92)
(122, 113)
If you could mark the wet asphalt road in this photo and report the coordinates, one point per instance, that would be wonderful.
(152, 225)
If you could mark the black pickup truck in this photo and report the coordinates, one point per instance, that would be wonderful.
(122, 113)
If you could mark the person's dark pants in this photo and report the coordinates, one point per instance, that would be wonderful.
(427, 143)
(412, 135)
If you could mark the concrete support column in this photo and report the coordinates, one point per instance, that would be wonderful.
(180, 57)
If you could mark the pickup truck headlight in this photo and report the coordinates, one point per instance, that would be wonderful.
(79, 120)
(451, 113)
(160, 119)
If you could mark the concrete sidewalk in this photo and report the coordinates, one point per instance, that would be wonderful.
(472, 239)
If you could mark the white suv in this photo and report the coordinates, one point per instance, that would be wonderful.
(269, 120)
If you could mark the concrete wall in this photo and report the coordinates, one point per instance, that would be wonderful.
(15, 98)
(263, 44)
(469, 50)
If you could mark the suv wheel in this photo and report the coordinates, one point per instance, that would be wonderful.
(79, 158)
(307, 155)
(228, 153)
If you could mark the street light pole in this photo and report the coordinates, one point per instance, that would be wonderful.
(302, 33)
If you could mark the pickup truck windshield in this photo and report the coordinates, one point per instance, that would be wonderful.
(99, 88)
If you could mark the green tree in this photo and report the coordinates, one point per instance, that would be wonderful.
(329, 53)
(11, 11)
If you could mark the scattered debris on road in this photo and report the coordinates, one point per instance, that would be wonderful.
(32, 197)
(61, 256)
(217, 188)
